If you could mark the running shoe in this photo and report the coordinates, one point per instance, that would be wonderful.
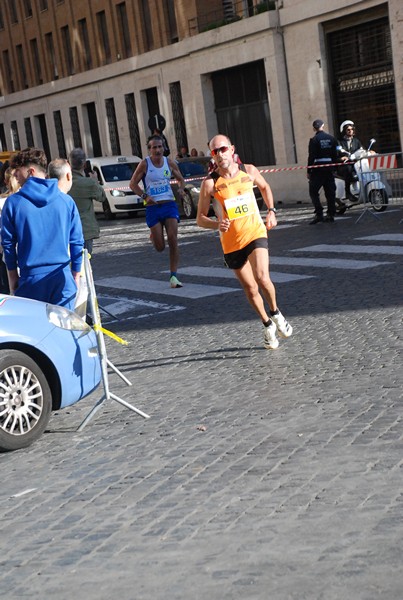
(270, 340)
(175, 283)
(283, 327)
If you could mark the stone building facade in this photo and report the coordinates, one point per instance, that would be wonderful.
(92, 74)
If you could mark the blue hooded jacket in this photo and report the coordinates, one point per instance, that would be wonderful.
(41, 229)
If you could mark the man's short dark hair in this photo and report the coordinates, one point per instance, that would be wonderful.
(30, 156)
(155, 137)
(77, 159)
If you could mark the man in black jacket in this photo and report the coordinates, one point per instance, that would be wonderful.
(322, 150)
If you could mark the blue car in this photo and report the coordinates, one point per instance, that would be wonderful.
(48, 360)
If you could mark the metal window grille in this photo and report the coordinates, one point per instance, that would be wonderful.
(133, 124)
(363, 82)
(112, 126)
(75, 127)
(28, 132)
(57, 117)
(178, 114)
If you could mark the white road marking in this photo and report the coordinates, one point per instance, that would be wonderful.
(334, 263)
(350, 249)
(152, 286)
(224, 273)
(384, 237)
(115, 306)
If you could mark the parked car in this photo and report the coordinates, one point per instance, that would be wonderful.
(114, 174)
(48, 360)
(194, 170)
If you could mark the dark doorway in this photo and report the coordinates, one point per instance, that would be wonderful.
(94, 130)
(41, 120)
(242, 108)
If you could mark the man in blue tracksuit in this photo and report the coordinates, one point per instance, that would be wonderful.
(322, 150)
(41, 234)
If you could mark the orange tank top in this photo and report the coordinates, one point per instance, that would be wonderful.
(234, 198)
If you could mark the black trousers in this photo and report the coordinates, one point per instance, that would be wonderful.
(4, 288)
(323, 177)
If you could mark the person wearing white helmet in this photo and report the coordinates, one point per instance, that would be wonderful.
(351, 144)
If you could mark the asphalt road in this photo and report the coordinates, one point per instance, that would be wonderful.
(260, 474)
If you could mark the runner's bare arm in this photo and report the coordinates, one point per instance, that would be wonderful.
(202, 219)
(137, 177)
(203, 207)
(177, 174)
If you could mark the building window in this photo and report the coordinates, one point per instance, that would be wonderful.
(1, 19)
(3, 142)
(147, 26)
(8, 72)
(171, 18)
(57, 117)
(52, 56)
(85, 49)
(15, 136)
(133, 125)
(178, 114)
(35, 58)
(28, 132)
(124, 33)
(68, 52)
(104, 38)
(75, 127)
(112, 126)
(27, 8)
(43, 4)
(12, 7)
(21, 67)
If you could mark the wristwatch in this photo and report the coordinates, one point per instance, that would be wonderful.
(273, 210)
(144, 196)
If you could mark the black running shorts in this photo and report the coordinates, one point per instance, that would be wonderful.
(237, 259)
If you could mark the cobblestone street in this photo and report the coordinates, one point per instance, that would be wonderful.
(260, 474)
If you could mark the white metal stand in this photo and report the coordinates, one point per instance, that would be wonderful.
(108, 395)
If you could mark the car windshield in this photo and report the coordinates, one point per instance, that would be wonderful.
(118, 172)
(191, 169)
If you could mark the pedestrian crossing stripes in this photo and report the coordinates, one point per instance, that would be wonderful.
(352, 249)
(138, 308)
(224, 273)
(154, 286)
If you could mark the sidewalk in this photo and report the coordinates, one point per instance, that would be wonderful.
(260, 474)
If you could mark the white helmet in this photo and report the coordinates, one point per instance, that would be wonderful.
(343, 125)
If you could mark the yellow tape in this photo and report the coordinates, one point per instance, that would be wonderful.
(110, 334)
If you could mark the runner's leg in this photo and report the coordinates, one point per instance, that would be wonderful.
(251, 289)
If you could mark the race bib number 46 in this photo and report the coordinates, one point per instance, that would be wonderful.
(240, 206)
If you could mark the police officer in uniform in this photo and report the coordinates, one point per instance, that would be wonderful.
(322, 150)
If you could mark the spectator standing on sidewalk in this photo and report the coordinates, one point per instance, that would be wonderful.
(41, 234)
(11, 186)
(60, 169)
(156, 172)
(322, 150)
(84, 191)
(243, 234)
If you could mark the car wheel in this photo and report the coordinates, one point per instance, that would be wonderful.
(189, 208)
(107, 210)
(25, 400)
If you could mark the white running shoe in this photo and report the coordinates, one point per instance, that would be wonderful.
(283, 327)
(175, 283)
(270, 340)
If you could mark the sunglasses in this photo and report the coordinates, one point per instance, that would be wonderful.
(222, 149)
